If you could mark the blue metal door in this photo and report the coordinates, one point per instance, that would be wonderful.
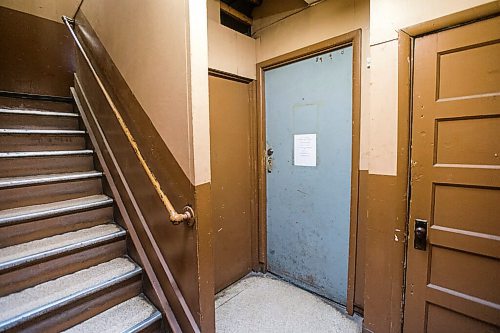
(309, 138)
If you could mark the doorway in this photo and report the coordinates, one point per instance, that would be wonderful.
(453, 257)
(232, 192)
(309, 145)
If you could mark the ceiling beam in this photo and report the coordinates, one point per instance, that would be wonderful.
(310, 2)
(235, 14)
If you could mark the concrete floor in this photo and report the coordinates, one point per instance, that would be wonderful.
(263, 303)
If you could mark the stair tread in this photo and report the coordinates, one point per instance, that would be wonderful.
(40, 131)
(17, 154)
(32, 302)
(50, 178)
(49, 209)
(38, 112)
(133, 313)
(33, 250)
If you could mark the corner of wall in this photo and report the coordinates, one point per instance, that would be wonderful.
(198, 86)
(51, 10)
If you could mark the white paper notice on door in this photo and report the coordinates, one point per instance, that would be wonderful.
(304, 149)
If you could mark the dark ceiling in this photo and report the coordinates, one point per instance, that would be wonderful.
(244, 6)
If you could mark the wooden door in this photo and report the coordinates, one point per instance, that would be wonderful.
(454, 284)
(230, 155)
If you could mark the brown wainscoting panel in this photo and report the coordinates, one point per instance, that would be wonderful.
(37, 54)
(179, 245)
(384, 247)
(204, 227)
(232, 192)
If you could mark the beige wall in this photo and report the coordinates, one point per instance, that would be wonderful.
(149, 43)
(273, 11)
(49, 9)
(389, 16)
(228, 50)
(200, 117)
(382, 105)
(325, 20)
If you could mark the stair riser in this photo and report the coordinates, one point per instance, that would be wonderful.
(13, 167)
(74, 313)
(41, 142)
(25, 121)
(28, 231)
(39, 272)
(40, 194)
(155, 327)
(23, 103)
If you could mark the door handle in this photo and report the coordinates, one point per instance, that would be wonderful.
(420, 240)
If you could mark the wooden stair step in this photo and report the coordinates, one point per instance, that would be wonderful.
(35, 112)
(14, 102)
(25, 163)
(59, 296)
(27, 264)
(12, 140)
(29, 230)
(24, 154)
(29, 213)
(33, 251)
(134, 315)
(24, 131)
(40, 189)
(13, 182)
(37, 119)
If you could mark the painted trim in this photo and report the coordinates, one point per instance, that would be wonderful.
(352, 38)
(467, 16)
(228, 76)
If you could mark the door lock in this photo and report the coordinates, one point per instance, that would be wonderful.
(420, 241)
(269, 160)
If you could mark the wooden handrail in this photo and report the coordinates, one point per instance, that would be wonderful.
(161, 290)
(146, 263)
(176, 218)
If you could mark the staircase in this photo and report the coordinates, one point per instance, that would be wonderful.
(63, 259)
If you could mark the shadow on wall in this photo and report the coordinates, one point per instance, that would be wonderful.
(37, 54)
(275, 7)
